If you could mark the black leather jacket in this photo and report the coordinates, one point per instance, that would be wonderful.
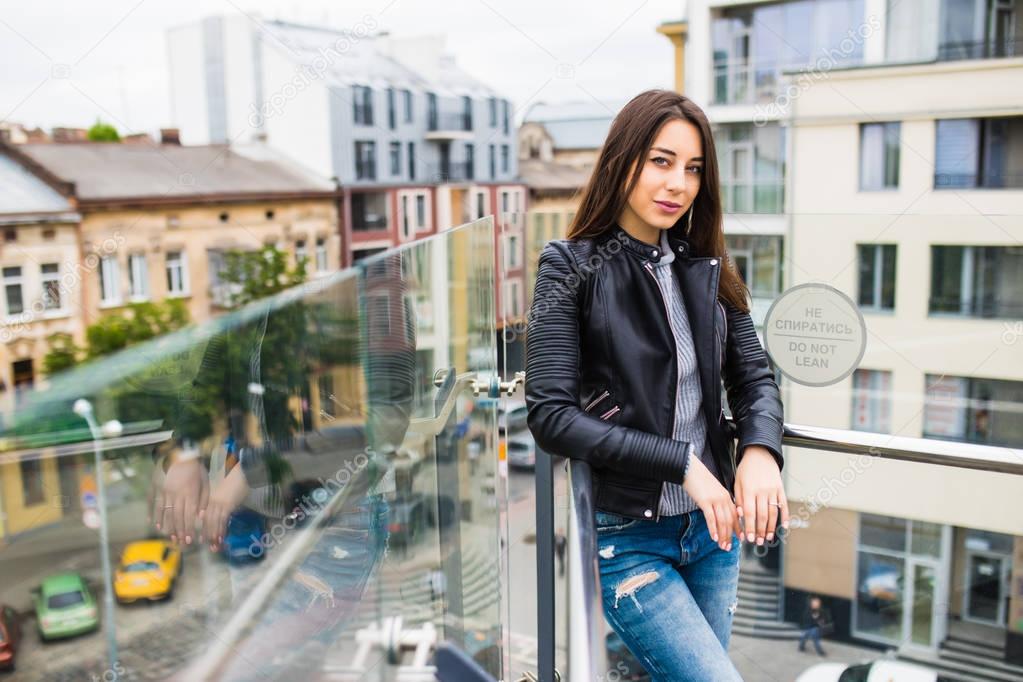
(601, 369)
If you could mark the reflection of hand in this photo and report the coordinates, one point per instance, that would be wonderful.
(225, 498)
(759, 495)
(185, 492)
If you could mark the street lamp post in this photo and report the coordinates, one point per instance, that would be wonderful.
(112, 428)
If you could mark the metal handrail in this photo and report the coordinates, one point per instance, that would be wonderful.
(907, 449)
(585, 610)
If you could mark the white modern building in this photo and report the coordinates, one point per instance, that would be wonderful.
(900, 183)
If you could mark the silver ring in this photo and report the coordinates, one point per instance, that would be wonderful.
(169, 506)
(775, 504)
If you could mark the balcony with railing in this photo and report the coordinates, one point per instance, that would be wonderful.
(448, 125)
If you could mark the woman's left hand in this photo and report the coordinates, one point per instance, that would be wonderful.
(759, 496)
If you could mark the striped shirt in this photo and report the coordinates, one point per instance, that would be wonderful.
(689, 422)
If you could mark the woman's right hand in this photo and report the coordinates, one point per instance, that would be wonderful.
(715, 503)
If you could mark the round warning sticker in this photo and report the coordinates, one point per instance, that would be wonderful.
(815, 334)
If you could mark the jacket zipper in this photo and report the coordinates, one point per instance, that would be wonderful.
(650, 269)
(610, 413)
(596, 400)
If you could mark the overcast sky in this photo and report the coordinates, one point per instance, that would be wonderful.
(69, 63)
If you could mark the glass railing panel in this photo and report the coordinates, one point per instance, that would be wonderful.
(345, 470)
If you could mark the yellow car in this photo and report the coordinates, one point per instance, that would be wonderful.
(148, 570)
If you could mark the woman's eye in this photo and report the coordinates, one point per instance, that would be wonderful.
(660, 161)
(695, 169)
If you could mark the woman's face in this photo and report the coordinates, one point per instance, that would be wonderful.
(669, 177)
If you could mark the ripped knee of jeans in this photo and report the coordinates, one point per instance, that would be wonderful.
(629, 586)
(733, 607)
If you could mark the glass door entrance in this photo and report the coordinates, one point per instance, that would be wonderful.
(986, 587)
(919, 607)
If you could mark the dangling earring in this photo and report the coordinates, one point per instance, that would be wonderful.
(689, 220)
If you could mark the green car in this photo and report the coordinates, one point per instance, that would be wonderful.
(65, 607)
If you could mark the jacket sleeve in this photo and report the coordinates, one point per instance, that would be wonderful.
(753, 394)
(558, 423)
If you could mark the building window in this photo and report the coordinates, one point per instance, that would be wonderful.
(13, 291)
(977, 281)
(758, 259)
(505, 159)
(511, 251)
(752, 163)
(109, 281)
(431, 111)
(177, 273)
(974, 410)
(466, 113)
(493, 161)
(411, 160)
(369, 211)
(749, 57)
(301, 250)
(974, 30)
(470, 161)
(877, 276)
(138, 277)
(10, 235)
(365, 160)
(406, 96)
(512, 299)
(507, 116)
(395, 156)
(32, 489)
(492, 105)
(392, 109)
(362, 99)
(321, 254)
(420, 212)
(871, 400)
(879, 156)
(481, 204)
(50, 274)
(504, 203)
(979, 153)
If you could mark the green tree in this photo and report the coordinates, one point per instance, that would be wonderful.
(103, 132)
(63, 354)
(140, 322)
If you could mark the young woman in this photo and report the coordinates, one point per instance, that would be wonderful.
(637, 318)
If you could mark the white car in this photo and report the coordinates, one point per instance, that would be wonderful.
(877, 671)
(521, 450)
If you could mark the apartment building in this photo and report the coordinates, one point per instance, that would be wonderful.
(157, 219)
(417, 144)
(881, 143)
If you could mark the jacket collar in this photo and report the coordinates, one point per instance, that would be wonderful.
(679, 246)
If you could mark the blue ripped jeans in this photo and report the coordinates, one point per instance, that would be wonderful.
(669, 592)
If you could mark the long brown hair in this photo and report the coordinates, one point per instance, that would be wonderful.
(628, 142)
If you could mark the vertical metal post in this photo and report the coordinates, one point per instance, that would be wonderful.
(545, 566)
